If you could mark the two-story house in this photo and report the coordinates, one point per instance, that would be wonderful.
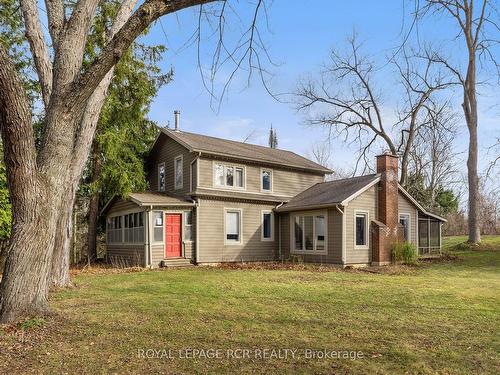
(213, 200)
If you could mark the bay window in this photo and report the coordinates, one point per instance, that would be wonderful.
(310, 234)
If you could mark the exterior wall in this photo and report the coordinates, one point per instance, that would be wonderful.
(125, 255)
(406, 207)
(212, 246)
(166, 150)
(334, 234)
(367, 201)
(286, 183)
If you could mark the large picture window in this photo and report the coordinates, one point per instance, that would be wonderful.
(229, 176)
(233, 227)
(310, 233)
(178, 172)
(267, 226)
(361, 229)
(161, 177)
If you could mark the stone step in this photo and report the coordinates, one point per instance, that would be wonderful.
(177, 262)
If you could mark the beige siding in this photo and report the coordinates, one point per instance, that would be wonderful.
(212, 247)
(122, 255)
(334, 248)
(367, 201)
(405, 206)
(286, 183)
(165, 151)
(158, 254)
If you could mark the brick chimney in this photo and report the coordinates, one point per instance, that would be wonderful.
(386, 230)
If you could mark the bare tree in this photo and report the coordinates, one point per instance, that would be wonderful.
(432, 158)
(43, 181)
(475, 20)
(346, 100)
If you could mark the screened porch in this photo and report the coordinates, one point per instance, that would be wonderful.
(429, 235)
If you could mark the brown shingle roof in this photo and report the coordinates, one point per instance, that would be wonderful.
(246, 151)
(328, 193)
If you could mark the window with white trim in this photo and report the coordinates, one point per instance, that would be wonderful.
(229, 176)
(404, 220)
(266, 180)
(188, 225)
(310, 233)
(267, 226)
(161, 177)
(233, 226)
(158, 226)
(178, 172)
(361, 229)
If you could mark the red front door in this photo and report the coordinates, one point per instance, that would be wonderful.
(173, 235)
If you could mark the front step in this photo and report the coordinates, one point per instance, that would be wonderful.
(176, 262)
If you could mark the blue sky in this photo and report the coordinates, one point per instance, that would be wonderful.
(300, 37)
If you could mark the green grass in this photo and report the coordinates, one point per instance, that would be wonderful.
(441, 317)
(459, 243)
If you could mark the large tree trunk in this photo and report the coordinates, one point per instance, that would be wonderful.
(94, 205)
(24, 286)
(59, 275)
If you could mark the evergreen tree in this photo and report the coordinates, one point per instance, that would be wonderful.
(124, 134)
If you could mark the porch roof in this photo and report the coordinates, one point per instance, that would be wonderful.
(159, 199)
(330, 193)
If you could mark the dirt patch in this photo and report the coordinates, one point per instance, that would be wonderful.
(279, 266)
(444, 258)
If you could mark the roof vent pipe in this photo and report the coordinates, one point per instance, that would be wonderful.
(177, 120)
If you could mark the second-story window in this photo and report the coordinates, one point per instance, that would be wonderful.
(266, 179)
(231, 176)
(178, 172)
(161, 177)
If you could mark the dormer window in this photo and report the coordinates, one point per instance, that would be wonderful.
(266, 179)
(161, 177)
(229, 176)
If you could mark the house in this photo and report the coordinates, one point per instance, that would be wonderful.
(213, 200)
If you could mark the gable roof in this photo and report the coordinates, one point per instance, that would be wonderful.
(244, 151)
(419, 206)
(330, 193)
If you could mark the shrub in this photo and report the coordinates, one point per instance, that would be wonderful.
(404, 252)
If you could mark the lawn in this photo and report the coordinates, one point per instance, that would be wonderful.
(440, 317)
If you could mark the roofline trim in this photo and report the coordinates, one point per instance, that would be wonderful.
(312, 207)
(419, 206)
(356, 194)
(176, 138)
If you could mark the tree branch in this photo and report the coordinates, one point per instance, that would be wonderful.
(38, 47)
(56, 18)
(148, 12)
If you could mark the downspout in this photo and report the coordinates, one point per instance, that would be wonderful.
(344, 250)
(150, 250)
(279, 230)
(197, 243)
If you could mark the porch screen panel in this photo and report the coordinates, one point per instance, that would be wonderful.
(423, 233)
(434, 235)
